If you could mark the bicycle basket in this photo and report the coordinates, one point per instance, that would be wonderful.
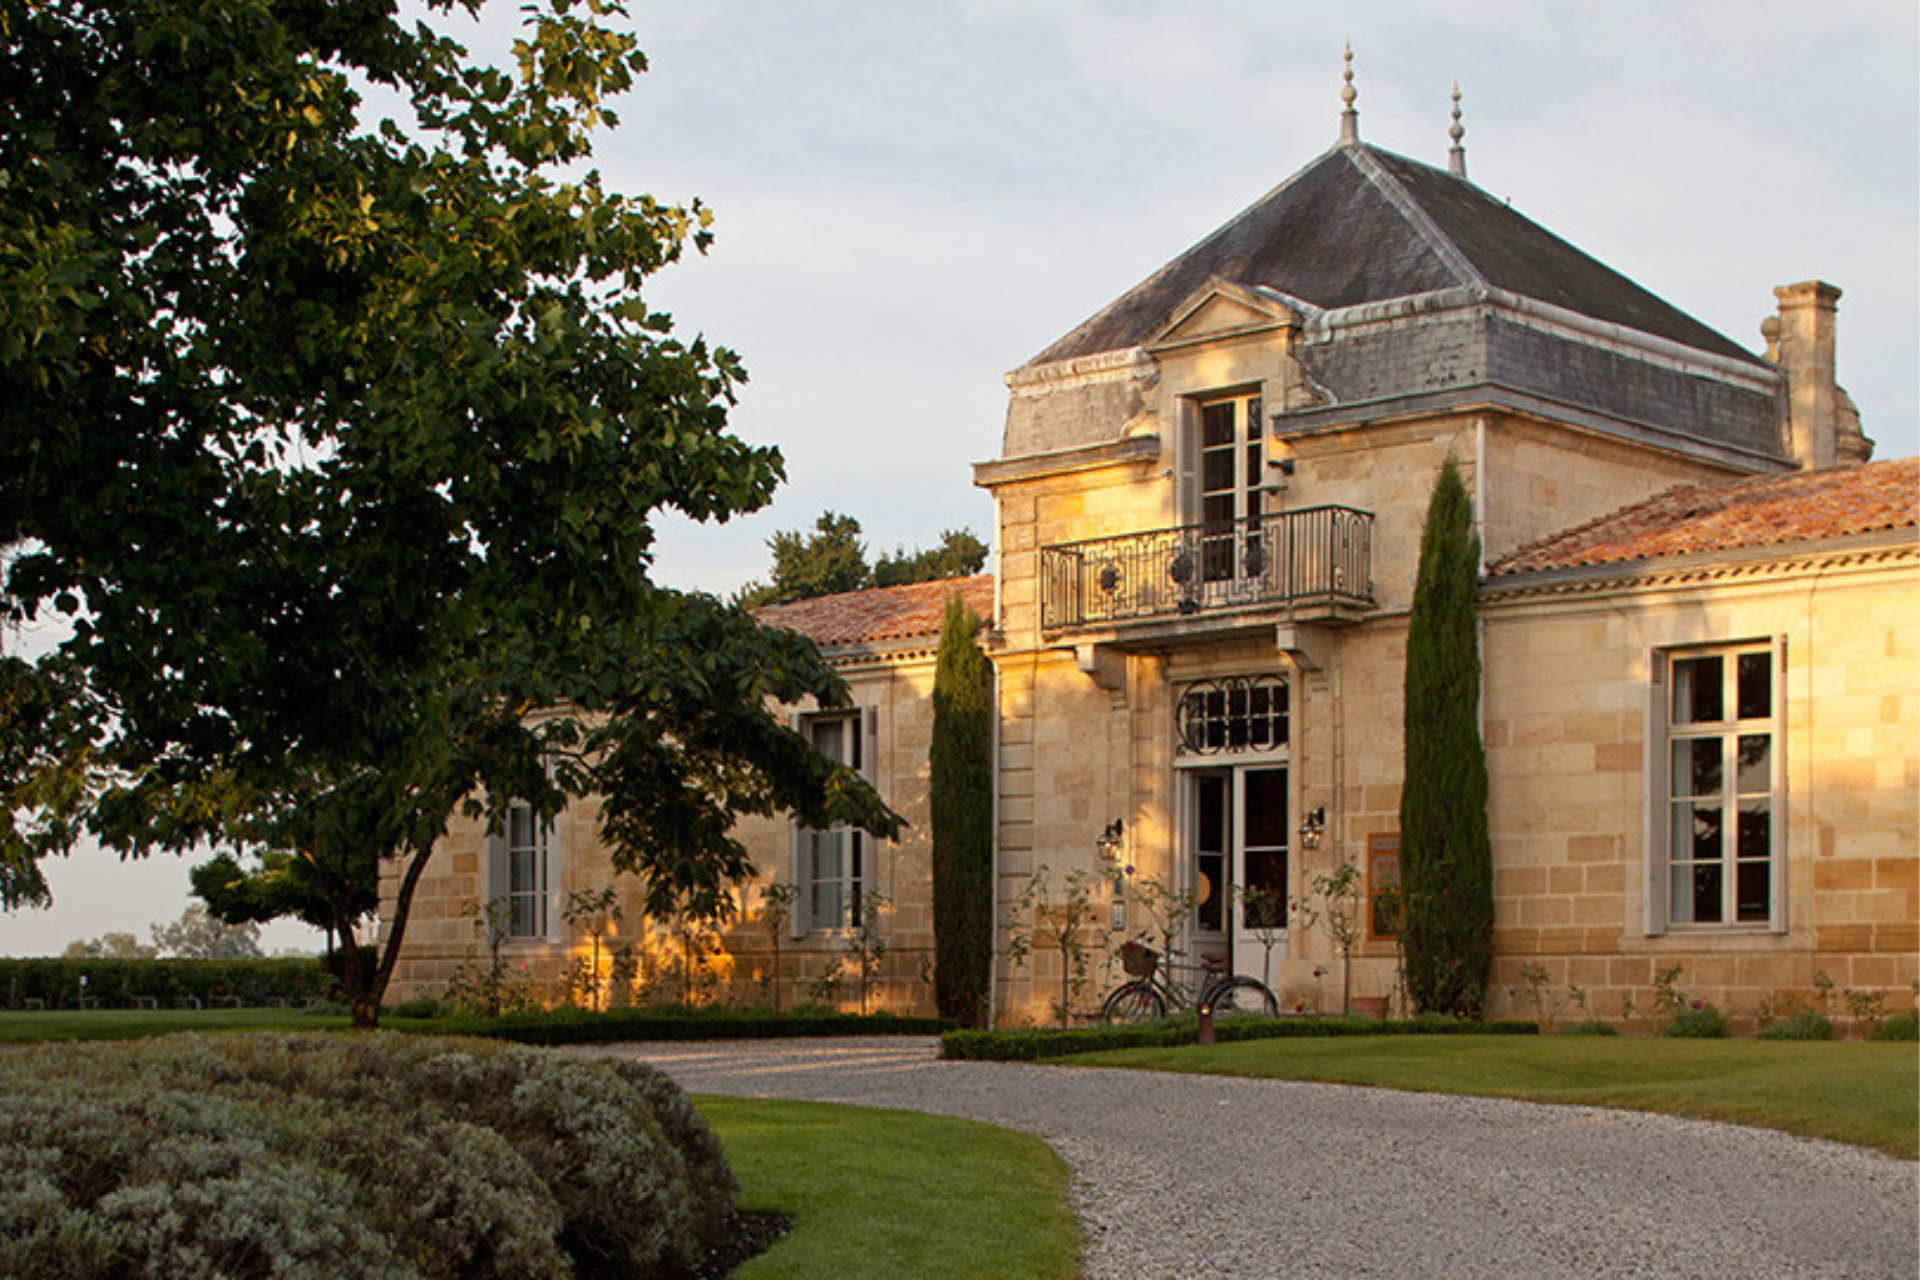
(1138, 959)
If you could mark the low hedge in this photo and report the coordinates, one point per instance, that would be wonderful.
(122, 983)
(283, 1155)
(1035, 1045)
(719, 1022)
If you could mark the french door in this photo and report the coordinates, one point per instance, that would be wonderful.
(1236, 840)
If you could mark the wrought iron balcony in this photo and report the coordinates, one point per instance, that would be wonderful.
(1318, 556)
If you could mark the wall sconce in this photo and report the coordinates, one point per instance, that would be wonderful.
(1111, 839)
(1312, 827)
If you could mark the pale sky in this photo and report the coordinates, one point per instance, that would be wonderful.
(912, 199)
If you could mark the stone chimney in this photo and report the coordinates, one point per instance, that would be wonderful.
(1823, 426)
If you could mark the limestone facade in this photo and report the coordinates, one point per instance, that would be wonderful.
(1208, 503)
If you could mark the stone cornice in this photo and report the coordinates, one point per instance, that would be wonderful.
(1744, 564)
(1108, 453)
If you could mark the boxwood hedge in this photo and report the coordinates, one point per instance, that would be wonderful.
(1034, 1045)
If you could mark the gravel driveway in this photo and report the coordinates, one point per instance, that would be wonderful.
(1178, 1176)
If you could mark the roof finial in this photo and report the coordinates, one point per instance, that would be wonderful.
(1457, 157)
(1349, 118)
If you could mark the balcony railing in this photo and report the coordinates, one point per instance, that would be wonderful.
(1322, 555)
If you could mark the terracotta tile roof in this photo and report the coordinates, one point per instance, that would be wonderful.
(880, 613)
(1766, 511)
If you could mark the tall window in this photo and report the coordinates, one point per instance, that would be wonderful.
(1722, 792)
(1231, 453)
(834, 861)
(521, 872)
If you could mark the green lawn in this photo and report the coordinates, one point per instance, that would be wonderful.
(134, 1024)
(896, 1193)
(1864, 1094)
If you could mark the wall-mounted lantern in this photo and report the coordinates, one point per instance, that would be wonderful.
(1312, 827)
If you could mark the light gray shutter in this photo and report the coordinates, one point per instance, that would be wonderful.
(1186, 451)
(554, 855)
(800, 913)
(1777, 874)
(496, 868)
(1659, 811)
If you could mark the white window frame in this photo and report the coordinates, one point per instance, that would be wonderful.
(1664, 862)
(530, 885)
(859, 727)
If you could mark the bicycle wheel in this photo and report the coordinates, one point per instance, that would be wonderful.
(1242, 997)
(1134, 1002)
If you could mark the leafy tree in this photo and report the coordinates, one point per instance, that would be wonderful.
(112, 945)
(199, 935)
(832, 559)
(335, 443)
(959, 555)
(960, 800)
(1446, 857)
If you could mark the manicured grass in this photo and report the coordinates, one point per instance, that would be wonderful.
(896, 1193)
(135, 1024)
(1864, 1094)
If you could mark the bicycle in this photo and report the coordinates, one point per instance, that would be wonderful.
(1148, 994)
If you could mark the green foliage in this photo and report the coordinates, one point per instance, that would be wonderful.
(1804, 1025)
(118, 983)
(1036, 1045)
(959, 555)
(280, 885)
(832, 559)
(1446, 856)
(685, 1022)
(960, 804)
(1700, 1021)
(1341, 912)
(237, 1155)
(1061, 919)
(113, 945)
(1900, 1027)
(1590, 1027)
(336, 441)
(200, 935)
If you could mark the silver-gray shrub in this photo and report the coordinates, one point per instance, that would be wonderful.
(364, 1155)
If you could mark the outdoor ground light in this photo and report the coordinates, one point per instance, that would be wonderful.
(1206, 1023)
(1312, 827)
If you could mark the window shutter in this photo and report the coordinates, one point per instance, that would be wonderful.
(496, 870)
(1186, 452)
(800, 910)
(1777, 909)
(554, 854)
(1657, 755)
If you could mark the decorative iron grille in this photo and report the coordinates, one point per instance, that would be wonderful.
(1233, 713)
(1320, 554)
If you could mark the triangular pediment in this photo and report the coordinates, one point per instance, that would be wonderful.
(1220, 309)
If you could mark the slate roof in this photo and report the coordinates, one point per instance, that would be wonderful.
(1361, 225)
(879, 613)
(1768, 511)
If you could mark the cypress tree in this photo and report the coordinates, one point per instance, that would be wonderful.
(961, 800)
(1446, 858)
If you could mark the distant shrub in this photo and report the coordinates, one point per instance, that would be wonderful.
(281, 1155)
(1700, 1021)
(1804, 1025)
(1589, 1028)
(419, 1007)
(1036, 1045)
(1902, 1026)
(121, 982)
